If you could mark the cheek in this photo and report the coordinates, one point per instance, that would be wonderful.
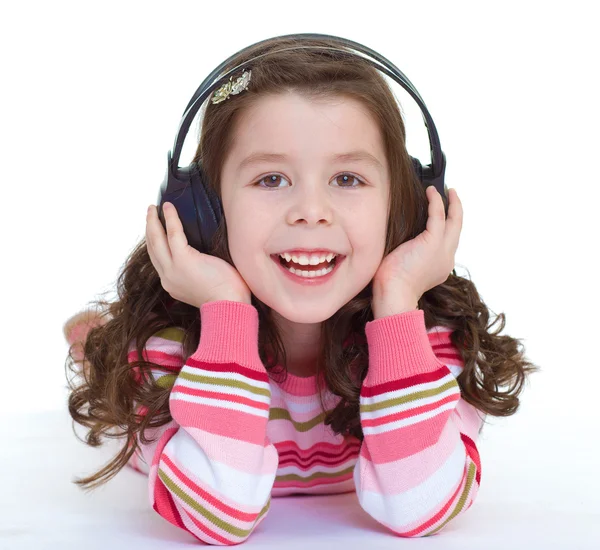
(368, 245)
(369, 234)
(247, 243)
(239, 242)
(250, 225)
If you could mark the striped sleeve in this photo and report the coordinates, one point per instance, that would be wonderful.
(418, 467)
(212, 468)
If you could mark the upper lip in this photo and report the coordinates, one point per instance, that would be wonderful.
(308, 251)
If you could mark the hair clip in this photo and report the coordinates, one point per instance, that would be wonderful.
(234, 88)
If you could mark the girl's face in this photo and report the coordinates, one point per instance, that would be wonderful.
(305, 199)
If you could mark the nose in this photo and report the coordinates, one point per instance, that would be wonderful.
(310, 204)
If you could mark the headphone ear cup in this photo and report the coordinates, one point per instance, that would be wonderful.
(177, 188)
(208, 207)
(198, 208)
(424, 176)
(212, 197)
(417, 167)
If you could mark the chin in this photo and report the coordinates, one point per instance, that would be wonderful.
(302, 312)
(304, 317)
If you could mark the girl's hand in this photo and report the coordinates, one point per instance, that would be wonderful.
(185, 273)
(418, 265)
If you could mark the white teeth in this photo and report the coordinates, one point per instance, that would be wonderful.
(312, 274)
(303, 259)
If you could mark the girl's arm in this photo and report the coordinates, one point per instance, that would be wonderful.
(418, 466)
(212, 468)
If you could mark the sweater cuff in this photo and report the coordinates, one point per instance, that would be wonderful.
(399, 347)
(229, 334)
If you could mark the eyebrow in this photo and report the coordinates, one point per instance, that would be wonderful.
(356, 156)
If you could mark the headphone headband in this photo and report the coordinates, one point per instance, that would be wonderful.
(432, 172)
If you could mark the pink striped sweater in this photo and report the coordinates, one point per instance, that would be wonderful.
(237, 438)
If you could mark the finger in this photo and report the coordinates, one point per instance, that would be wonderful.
(157, 242)
(436, 215)
(455, 220)
(176, 236)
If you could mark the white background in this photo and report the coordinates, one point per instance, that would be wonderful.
(92, 95)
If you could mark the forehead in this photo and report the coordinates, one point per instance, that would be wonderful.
(296, 126)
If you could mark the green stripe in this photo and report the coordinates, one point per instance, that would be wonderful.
(276, 413)
(206, 513)
(369, 407)
(166, 381)
(316, 475)
(461, 500)
(176, 334)
(229, 382)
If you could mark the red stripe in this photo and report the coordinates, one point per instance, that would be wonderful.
(322, 446)
(222, 397)
(305, 465)
(259, 376)
(164, 505)
(455, 358)
(402, 383)
(314, 451)
(168, 360)
(473, 454)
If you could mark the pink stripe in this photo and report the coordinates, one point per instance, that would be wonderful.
(397, 455)
(402, 442)
(225, 422)
(215, 447)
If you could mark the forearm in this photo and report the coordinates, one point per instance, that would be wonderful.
(384, 305)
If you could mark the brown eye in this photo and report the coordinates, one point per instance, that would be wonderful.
(270, 179)
(344, 179)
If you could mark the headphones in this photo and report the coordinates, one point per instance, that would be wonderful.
(198, 206)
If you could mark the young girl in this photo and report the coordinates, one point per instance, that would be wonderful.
(325, 345)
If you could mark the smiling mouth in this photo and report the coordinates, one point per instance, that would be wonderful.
(308, 267)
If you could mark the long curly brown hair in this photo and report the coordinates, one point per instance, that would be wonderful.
(107, 394)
